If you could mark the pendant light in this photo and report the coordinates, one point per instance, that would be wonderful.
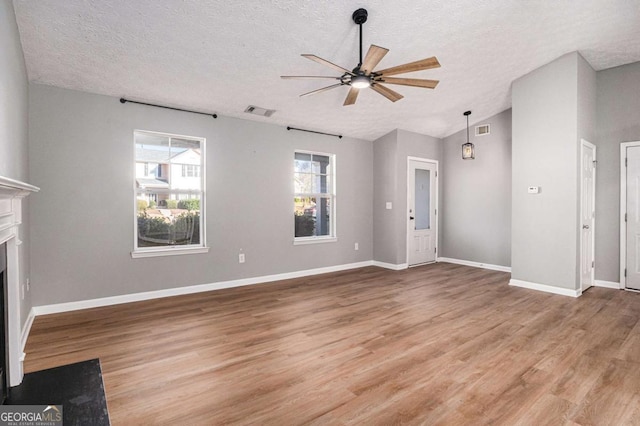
(468, 151)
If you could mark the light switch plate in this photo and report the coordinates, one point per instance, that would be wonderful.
(389, 205)
(533, 190)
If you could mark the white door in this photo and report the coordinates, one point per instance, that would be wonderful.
(633, 218)
(587, 214)
(422, 222)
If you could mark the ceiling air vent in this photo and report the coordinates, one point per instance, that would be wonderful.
(251, 109)
(482, 130)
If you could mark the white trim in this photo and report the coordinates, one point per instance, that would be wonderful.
(300, 241)
(169, 251)
(437, 217)
(157, 294)
(546, 288)
(26, 329)
(475, 264)
(608, 284)
(392, 266)
(585, 143)
(623, 209)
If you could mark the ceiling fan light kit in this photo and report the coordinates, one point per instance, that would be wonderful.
(360, 81)
(363, 75)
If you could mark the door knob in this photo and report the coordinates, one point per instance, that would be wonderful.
(585, 226)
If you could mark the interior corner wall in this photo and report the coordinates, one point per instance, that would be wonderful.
(618, 120)
(81, 156)
(390, 185)
(14, 126)
(477, 214)
(545, 154)
(385, 183)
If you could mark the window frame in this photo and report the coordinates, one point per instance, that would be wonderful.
(333, 236)
(141, 252)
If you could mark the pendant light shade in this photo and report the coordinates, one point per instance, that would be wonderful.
(468, 150)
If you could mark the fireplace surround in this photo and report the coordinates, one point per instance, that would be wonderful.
(12, 193)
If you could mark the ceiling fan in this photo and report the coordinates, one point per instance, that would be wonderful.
(363, 75)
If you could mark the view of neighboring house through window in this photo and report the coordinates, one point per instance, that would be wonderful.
(169, 191)
(314, 198)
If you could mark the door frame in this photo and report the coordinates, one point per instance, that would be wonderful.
(406, 212)
(623, 210)
(585, 143)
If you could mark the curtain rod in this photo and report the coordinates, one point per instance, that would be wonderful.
(123, 100)
(313, 131)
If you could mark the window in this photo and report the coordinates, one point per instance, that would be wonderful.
(169, 194)
(189, 170)
(315, 197)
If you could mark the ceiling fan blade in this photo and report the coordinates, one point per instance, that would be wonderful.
(333, 86)
(351, 96)
(327, 63)
(386, 92)
(416, 82)
(423, 64)
(307, 76)
(373, 58)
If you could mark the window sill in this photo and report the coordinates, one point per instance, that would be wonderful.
(169, 252)
(303, 241)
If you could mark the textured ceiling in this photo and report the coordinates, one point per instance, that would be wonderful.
(221, 56)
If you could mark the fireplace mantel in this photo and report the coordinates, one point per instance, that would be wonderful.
(10, 188)
(11, 194)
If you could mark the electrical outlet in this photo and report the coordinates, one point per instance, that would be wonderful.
(241, 258)
(356, 247)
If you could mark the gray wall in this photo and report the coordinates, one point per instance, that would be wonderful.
(476, 215)
(13, 124)
(390, 184)
(385, 184)
(545, 139)
(81, 155)
(618, 120)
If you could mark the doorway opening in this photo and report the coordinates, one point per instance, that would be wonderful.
(587, 214)
(630, 215)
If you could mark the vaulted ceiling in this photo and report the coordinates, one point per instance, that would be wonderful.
(221, 56)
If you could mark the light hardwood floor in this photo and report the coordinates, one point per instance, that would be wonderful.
(439, 344)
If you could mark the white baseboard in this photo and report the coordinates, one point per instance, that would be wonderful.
(475, 264)
(607, 284)
(157, 294)
(27, 328)
(545, 288)
(395, 267)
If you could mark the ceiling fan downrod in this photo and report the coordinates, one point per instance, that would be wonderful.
(360, 17)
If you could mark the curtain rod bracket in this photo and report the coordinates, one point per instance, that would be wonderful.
(123, 101)
(313, 131)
